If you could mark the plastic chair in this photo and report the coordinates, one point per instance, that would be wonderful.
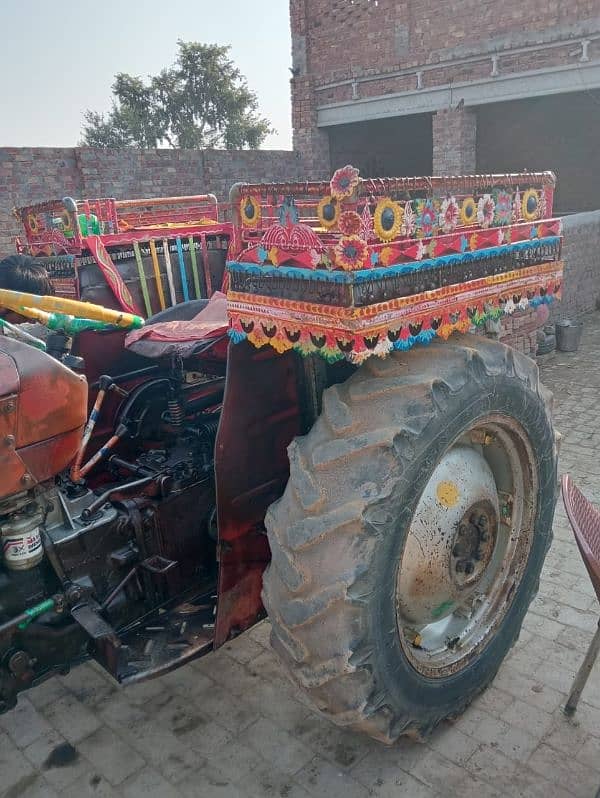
(585, 520)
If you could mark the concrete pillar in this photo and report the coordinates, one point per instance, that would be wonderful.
(308, 140)
(455, 141)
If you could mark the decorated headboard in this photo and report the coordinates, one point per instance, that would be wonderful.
(354, 267)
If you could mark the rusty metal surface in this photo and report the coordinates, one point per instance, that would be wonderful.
(41, 416)
(260, 417)
(454, 589)
(52, 399)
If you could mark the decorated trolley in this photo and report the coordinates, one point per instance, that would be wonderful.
(140, 255)
(356, 267)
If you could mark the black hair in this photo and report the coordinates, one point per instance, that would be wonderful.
(26, 274)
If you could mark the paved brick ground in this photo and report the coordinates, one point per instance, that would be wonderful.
(231, 726)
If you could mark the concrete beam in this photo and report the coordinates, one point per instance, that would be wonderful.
(514, 86)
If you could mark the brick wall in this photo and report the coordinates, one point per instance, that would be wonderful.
(447, 43)
(348, 39)
(581, 254)
(581, 284)
(454, 141)
(30, 175)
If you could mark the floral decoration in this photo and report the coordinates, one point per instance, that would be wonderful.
(517, 206)
(32, 223)
(427, 217)
(449, 214)
(344, 181)
(328, 211)
(485, 210)
(351, 253)
(350, 223)
(388, 219)
(530, 206)
(410, 220)
(274, 256)
(543, 204)
(468, 211)
(366, 230)
(504, 209)
(386, 256)
(262, 254)
(66, 221)
(250, 211)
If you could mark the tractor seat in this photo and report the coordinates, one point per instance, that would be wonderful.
(183, 330)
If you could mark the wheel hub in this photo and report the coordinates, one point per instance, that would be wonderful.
(451, 538)
(474, 543)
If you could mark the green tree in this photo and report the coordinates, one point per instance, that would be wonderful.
(201, 101)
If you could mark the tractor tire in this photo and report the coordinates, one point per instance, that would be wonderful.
(409, 540)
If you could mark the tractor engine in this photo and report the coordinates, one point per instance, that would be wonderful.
(120, 565)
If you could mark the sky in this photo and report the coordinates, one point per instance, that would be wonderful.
(58, 60)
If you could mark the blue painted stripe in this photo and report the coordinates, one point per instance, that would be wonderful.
(322, 275)
(184, 282)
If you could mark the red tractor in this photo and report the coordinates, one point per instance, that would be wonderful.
(325, 444)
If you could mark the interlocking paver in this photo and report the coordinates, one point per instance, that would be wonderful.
(232, 726)
(148, 784)
(59, 762)
(25, 724)
(15, 769)
(115, 763)
(320, 777)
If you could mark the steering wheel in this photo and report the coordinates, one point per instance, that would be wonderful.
(67, 315)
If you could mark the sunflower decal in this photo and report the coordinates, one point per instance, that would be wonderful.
(350, 223)
(530, 205)
(343, 182)
(388, 219)
(328, 211)
(351, 253)
(250, 211)
(468, 211)
(32, 223)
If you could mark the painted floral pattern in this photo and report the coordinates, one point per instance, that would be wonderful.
(427, 218)
(350, 223)
(504, 210)
(449, 214)
(485, 210)
(410, 220)
(351, 253)
(344, 181)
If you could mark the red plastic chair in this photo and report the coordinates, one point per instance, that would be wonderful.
(585, 520)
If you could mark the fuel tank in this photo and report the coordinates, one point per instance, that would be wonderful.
(42, 413)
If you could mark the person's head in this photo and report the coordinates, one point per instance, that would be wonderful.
(25, 274)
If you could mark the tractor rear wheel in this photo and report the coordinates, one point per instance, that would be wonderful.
(409, 541)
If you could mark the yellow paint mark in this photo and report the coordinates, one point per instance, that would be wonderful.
(447, 494)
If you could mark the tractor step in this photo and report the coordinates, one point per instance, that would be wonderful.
(156, 644)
